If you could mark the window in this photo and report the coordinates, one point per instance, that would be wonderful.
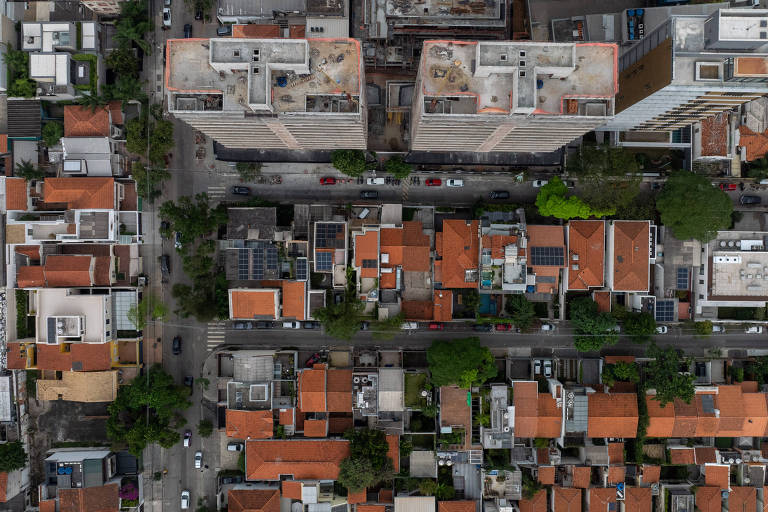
(522, 73)
(522, 63)
(708, 71)
(503, 57)
(256, 70)
(236, 53)
(522, 53)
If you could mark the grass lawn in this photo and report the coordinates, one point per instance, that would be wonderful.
(414, 384)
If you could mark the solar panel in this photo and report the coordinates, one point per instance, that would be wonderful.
(547, 256)
(324, 261)
(682, 278)
(258, 263)
(665, 310)
(326, 235)
(301, 269)
(242, 263)
(271, 258)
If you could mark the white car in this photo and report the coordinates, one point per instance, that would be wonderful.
(234, 447)
(539, 183)
(547, 369)
(167, 17)
(662, 329)
(375, 181)
(754, 329)
(198, 460)
(167, 3)
(718, 328)
(409, 326)
(184, 500)
(547, 327)
(536, 367)
(291, 325)
(454, 183)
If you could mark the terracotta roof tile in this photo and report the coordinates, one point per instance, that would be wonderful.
(616, 453)
(339, 424)
(535, 415)
(458, 246)
(104, 498)
(630, 255)
(661, 420)
(80, 193)
(586, 240)
(312, 391)
(81, 357)
(371, 508)
(30, 277)
(254, 303)
(357, 497)
(243, 424)
(705, 454)
(602, 499)
(729, 400)
(616, 474)
(457, 506)
(749, 386)
(612, 415)
(286, 416)
(256, 31)
(582, 475)
(756, 411)
(717, 475)
(547, 475)
(82, 121)
(17, 356)
(550, 417)
(3, 487)
(385, 496)
(16, 194)
(566, 500)
(755, 144)
(304, 459)
(637, 499)
(603, 300)
(417, 309)
(542, 456)
(682, 456)
(116, 111)
(442, 305)
(416, 248)
(651, 474)
(315, 428)
(292, 489)
(536, 504)
(714, 135)
(102, 271)
(48, 505)
(30, 251)
(339, 391)
(393, 452)
(742, 499)
(366, 248)
(253, 500)
(69, 270)
(708, 499)
(294, 299)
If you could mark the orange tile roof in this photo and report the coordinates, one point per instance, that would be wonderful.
(3, 487)
(292, 489)
(312, 390)
(442, 305)
(756, 413)
(366, 247)
(755, 144)
(496, 244)
(586, 240)
(68, 270)
(393, 450)
(651, 474)
(340, 424)
(304, 459)
(48, 505)
(243, 424)
(416, 248)
(547, 475)
(661, 420)
(742, 499)
(686, 418)
(749, 386)
(315, 428)
(116, 111)
(705, 454)
(30, 277)
(682, 456)
(602, 499)
(256, 31)
(714, 135)
(80, 193)
(550, 417)
(612, 415)
(30, 251)
(385, 496)
(294, 299)
(371, 508)
(286, 416)
(637, 499)
(536, 504)
(582, 475)
(458, 246)
(630, 255)
(566, 500)
(603, 300)
(457, 506)
(717, 475)
(417, 309)
(616, 453)
(85, 356)
(82, 121)
(15, 194)
(256, 303)
(253, 500)
(357, 497)
(387, 280)
(535, 415)
(339, 390)
(104, 498)
(17, 356)
(708, 499)
(616, 474)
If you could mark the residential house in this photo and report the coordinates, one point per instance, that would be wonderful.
(503, 255)
(299, 459)
(325, 400)
(457, 251)
(629, 258)
(546, 258)
(586, 254)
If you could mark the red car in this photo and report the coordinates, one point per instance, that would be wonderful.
(728, 186)
(435, 326)
(434, 182)
(503, 327)
(327, 181)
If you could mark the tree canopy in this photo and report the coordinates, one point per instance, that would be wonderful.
(551, 202)
(663, 373)
(640, 326)
(703, 328)
(462, 361)
(149, 181)
(520, 310)
(29, 171)
(192, 218)
(53, 131)
(397, 167)
(146, 411)
(692, 208)
(349, 161)
(248, 170)
(368, 462)
(594, 330)
(620, 371)
(342, 320)
(12, 456)
(150, 306)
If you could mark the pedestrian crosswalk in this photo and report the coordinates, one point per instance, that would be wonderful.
(215, 335)
(405, 185)
(217, 192)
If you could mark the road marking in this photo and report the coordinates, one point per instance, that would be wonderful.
(405, 185)
(216, 335)
(215, 191)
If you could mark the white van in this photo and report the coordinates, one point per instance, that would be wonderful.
(409, 325)
(376, 181)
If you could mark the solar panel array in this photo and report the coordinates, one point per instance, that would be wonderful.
(271, 258)
(665, 310)
(324, 261)
(301, 269)
(547, 256)
(243, 269)
(682, 278)
(251, 260)
(326, 235)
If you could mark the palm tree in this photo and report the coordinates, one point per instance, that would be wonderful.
(129, 34)
(92, 101)
(29, 171)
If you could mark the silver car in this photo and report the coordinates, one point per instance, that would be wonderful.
(198, 460)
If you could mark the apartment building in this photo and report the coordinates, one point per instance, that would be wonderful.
(269, 93)
(690, 68)
(485, 96)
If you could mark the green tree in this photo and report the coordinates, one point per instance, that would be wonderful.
(29, 171)
(551, 202)
(397, 167)
(160, 142)
(640, 326)
(92, 101)
(427, 487)
(129, 33)
(594, 330)
(16, 61)
(463, 362)
(205, 428)
(387, 329)
(520, 310)
(703, 328)
(248, 170)
(53, 131)
(147, 411)
(341, 321)
(192, 218)
(123, 61)
(531, 486)
(758, 168)
(445, 491)
(368, 462)
(148, 181)
(12, 456)
(149, 305)
(22, 88)
(471, 300)
(136, 135)
(620, 371)
(692, 208)
(125, 88)
(663, 373)
(609, 176)
(349, 161)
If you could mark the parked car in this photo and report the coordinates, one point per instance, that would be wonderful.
(454, 183)
(364, 326)
(165, 227)
(231, 480)
(375, 181)
(433, 182)
(224, 31)
(718, 329)
(198, 459)
(234, 447)
(189, 381)
(503, 327)
(188, 30)
(754, 329)
(328, 181)
(369, 194)
(198, 14)
(482, 327)
(166, 17)
(176, 345)
(239, 190)
(728, 187)
(436, 326)
(165, 267)
(177, 240)
(662, 329)
(408, 326)
(547, 369)
(263, 325)
(243, 325)
(292, 325)
(539, 183)
(184, 500)
(187, 438)
(547, 327)
(499, 194)
(314, 358)
(745, 199)
(537, 367)
(311, 325)
(167, 3)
